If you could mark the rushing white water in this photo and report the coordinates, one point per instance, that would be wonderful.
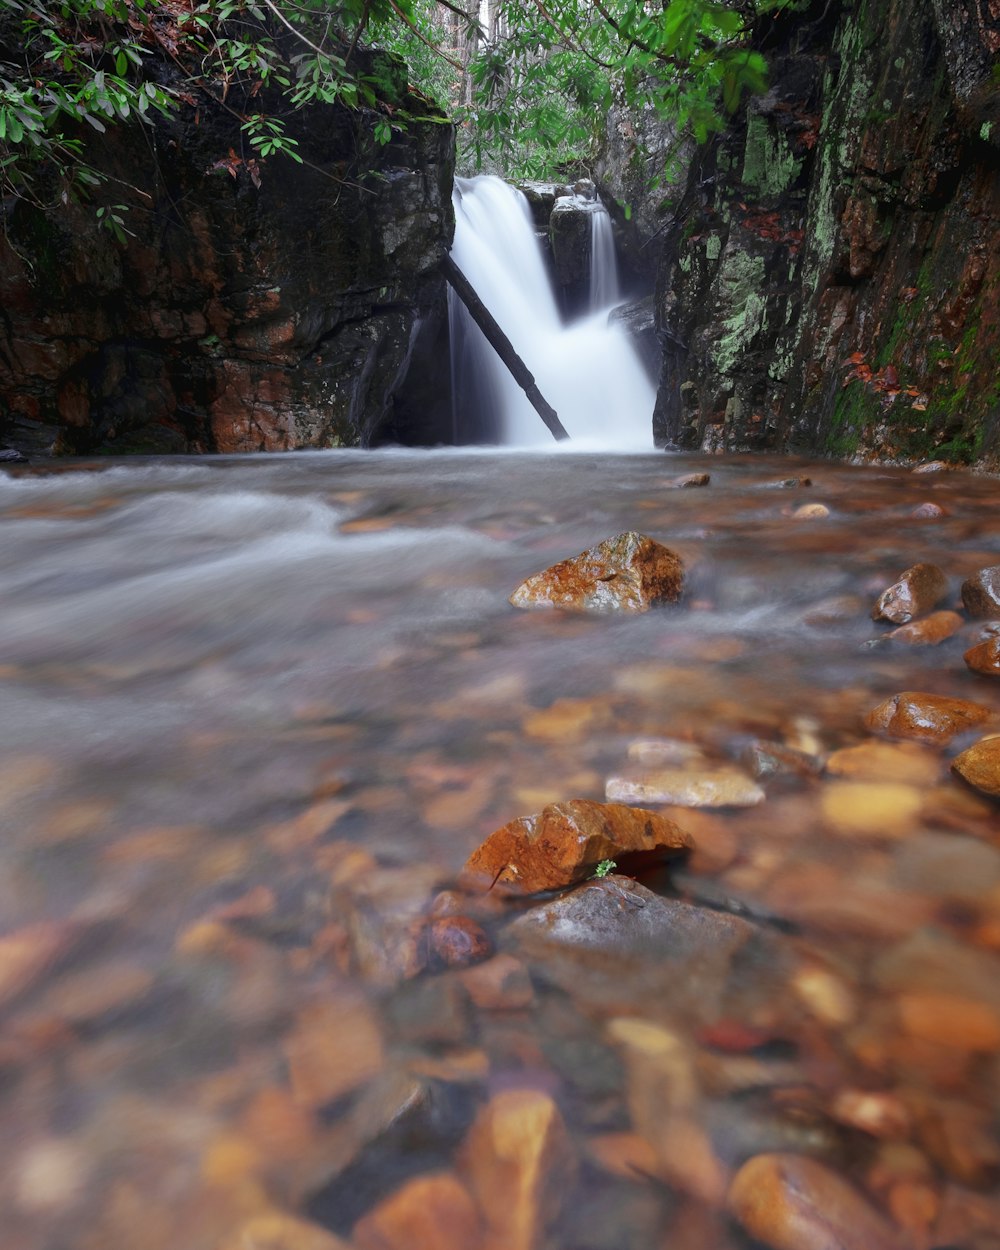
(587, 370)
(605, 291)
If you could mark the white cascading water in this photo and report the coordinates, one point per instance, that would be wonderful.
(588, 370)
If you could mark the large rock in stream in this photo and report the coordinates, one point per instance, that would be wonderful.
(565, 842)
(627, 573)
(612, 943)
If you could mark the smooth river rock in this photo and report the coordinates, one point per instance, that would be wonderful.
(984, 657)
(980, 766)
(564, 843)
(929, 630)
(917, 591)
(626, 573)
(687, 788)
(791, 1202)
(981, 592)
(926, 717)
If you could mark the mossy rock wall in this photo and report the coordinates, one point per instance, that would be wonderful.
(831, 279)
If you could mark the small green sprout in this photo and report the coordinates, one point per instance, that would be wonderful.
(604, 867)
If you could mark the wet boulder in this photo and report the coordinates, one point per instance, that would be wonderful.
(929, 631)
(627, 573)
(925, 717)
(565, 842)
(980, 766)
(613, 943)
(984, 657)
(917, 591)
(981, 592)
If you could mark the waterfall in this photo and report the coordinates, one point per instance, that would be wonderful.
(587, 370)
(604, 289)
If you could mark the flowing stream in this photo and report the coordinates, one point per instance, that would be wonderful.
(587, 369)
(258, 711)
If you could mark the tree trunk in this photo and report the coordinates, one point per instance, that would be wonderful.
(501, 344)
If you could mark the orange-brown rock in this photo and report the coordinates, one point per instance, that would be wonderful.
(687, 480)
(928, 511)
(456, 942)
(906, 762)
(980, 765)
(335, 1047)
(929, 630)
(627, 573)
(429, 1213)
(984, 657)
(925, 717)
(521, 1165)
(791, 1202)
(918, 590)
(981, 592)
(565, 842)
(950, 1020)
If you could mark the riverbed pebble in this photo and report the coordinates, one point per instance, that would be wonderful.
(791, 1202)
(917, 591)
(697, 787)
(928, 631)
(926, 717)
(433, 1212)
(520, 1163)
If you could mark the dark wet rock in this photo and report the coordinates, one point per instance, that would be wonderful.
(787, 261)
(638, 320)
(456, 942)
(790, 1202)
(9, 456)
(614, 944)
(917, 591)
(627, 573)
(981, 592)
(296, 314)
(980, 766)
(565, 842)
(984, 657)
(926, 717)
(570, 229)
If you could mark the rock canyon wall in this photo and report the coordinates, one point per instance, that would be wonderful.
(828, 274)
(235, 317)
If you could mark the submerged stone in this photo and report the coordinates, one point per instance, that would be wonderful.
(791, 1202)
(920, 589)
(565, 842)
(927, 717)
(687, 788)
(627, 573)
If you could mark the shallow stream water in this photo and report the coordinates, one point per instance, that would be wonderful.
(256, 712)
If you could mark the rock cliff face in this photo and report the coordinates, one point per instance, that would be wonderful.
(830, 279)
(235, 317)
